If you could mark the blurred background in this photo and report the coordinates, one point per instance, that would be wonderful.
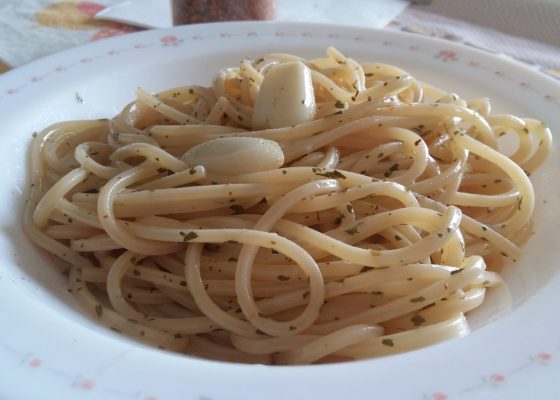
(527, 30)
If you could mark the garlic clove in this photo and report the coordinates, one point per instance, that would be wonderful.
(285, 97)
(236, 155)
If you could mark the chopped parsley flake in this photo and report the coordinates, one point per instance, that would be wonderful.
(99, 310)
(188, 236)
(392, 168)
(417, 320)
(236, 208)
(456, 271)
(417, 299)
(388, 342)
(333, 174)
(431, 304)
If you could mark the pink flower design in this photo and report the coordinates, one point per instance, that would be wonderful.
(89, 7)
(150, 398)
(497, 378)
(87, 384)
(35, 363)
(171, 40)
(439, 396)
(544, 357)
(447, 55)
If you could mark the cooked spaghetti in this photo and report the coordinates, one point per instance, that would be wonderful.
(294, 212)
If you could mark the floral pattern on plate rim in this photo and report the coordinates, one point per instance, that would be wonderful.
(169, 40)
(77, 381)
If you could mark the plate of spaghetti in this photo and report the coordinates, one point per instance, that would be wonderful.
(267, 210)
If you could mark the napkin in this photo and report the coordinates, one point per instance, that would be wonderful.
(365, 13)
(31, 29)
(141, 13)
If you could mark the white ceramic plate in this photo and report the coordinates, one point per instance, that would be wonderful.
(48, 347)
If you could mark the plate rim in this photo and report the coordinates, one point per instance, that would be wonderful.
(81, 49)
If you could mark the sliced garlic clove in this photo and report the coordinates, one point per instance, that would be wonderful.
(236, 155)
(285, 98)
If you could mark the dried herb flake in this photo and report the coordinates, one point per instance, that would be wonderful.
(417, 320)
(188, 236)
(99, 310)
(417, 299)
(388, 342)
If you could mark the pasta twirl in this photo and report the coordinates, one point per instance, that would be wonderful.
(293, 212)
